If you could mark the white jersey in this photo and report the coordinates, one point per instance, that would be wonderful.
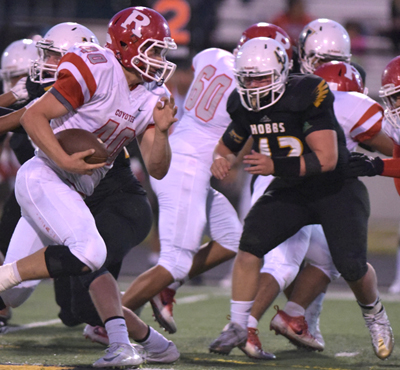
(391, 131)
(359, 115)
(92, 86)
(205, 117)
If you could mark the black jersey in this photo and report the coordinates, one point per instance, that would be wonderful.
(281, 129)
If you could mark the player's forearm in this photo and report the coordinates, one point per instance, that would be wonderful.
(7, 99)
(11, 121)
(159, 160)
(222, 151)
(39, 130)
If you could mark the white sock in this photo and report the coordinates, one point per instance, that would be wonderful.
(9, 276)
(252, 322)
(294, 309)
(371, 309)
(117, 331)
(240, 312)
(155, 343)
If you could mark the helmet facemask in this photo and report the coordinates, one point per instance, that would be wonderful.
(390, 95)
(41, 71)
(151, 60)
(258, 98)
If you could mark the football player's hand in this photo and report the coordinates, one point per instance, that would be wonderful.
(363, 165)
(164, 113)
(76, 163)
(20, 92)
(220, 168)
(260, 164)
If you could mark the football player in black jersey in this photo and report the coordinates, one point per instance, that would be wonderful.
(298, 140)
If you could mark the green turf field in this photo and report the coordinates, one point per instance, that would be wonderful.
(38, 341)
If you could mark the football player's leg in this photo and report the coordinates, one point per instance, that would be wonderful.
(224, 229)
(123, 220)
(61, 215)
(182, 195)
(25, 240)
(346, 230)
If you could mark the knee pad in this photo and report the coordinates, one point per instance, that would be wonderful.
(352, 269)
(177, 262)
(61, 262)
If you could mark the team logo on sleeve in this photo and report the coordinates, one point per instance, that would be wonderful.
(320, 92)
(235, 137)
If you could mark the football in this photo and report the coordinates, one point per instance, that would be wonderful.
(77, 140)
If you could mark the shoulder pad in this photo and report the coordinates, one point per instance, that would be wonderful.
(304, 90)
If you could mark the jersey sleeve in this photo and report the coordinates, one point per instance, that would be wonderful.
(75, 83)
(236, 134)
(319, 114)
(369, 124)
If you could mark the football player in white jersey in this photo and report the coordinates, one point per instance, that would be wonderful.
(100, 90)
(389, 92)
(188, 205)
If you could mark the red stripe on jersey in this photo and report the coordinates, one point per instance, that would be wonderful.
(67, 85)
(373, 130)
(69, 88)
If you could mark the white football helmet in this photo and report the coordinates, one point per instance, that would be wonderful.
(323, 40)
(58, 39)
(16, 60)
(260, 59)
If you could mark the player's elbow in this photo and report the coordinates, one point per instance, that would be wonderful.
(329, 163)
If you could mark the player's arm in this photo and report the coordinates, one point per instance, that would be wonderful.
(224, 159)
(11, 121)
(36, 122)
(17, 94)
(323, 144)
(381, 142)
(154, 144)
(7, 99)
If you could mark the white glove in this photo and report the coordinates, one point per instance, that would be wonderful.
(19, 91)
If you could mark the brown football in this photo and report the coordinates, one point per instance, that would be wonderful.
(77, 140)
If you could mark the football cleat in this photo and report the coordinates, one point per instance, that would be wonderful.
(381, 333)
(168, 356)
(96, 334)
(232, 335)
(120, 355)
(253, 348)
(162, 309)
(295, 329)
